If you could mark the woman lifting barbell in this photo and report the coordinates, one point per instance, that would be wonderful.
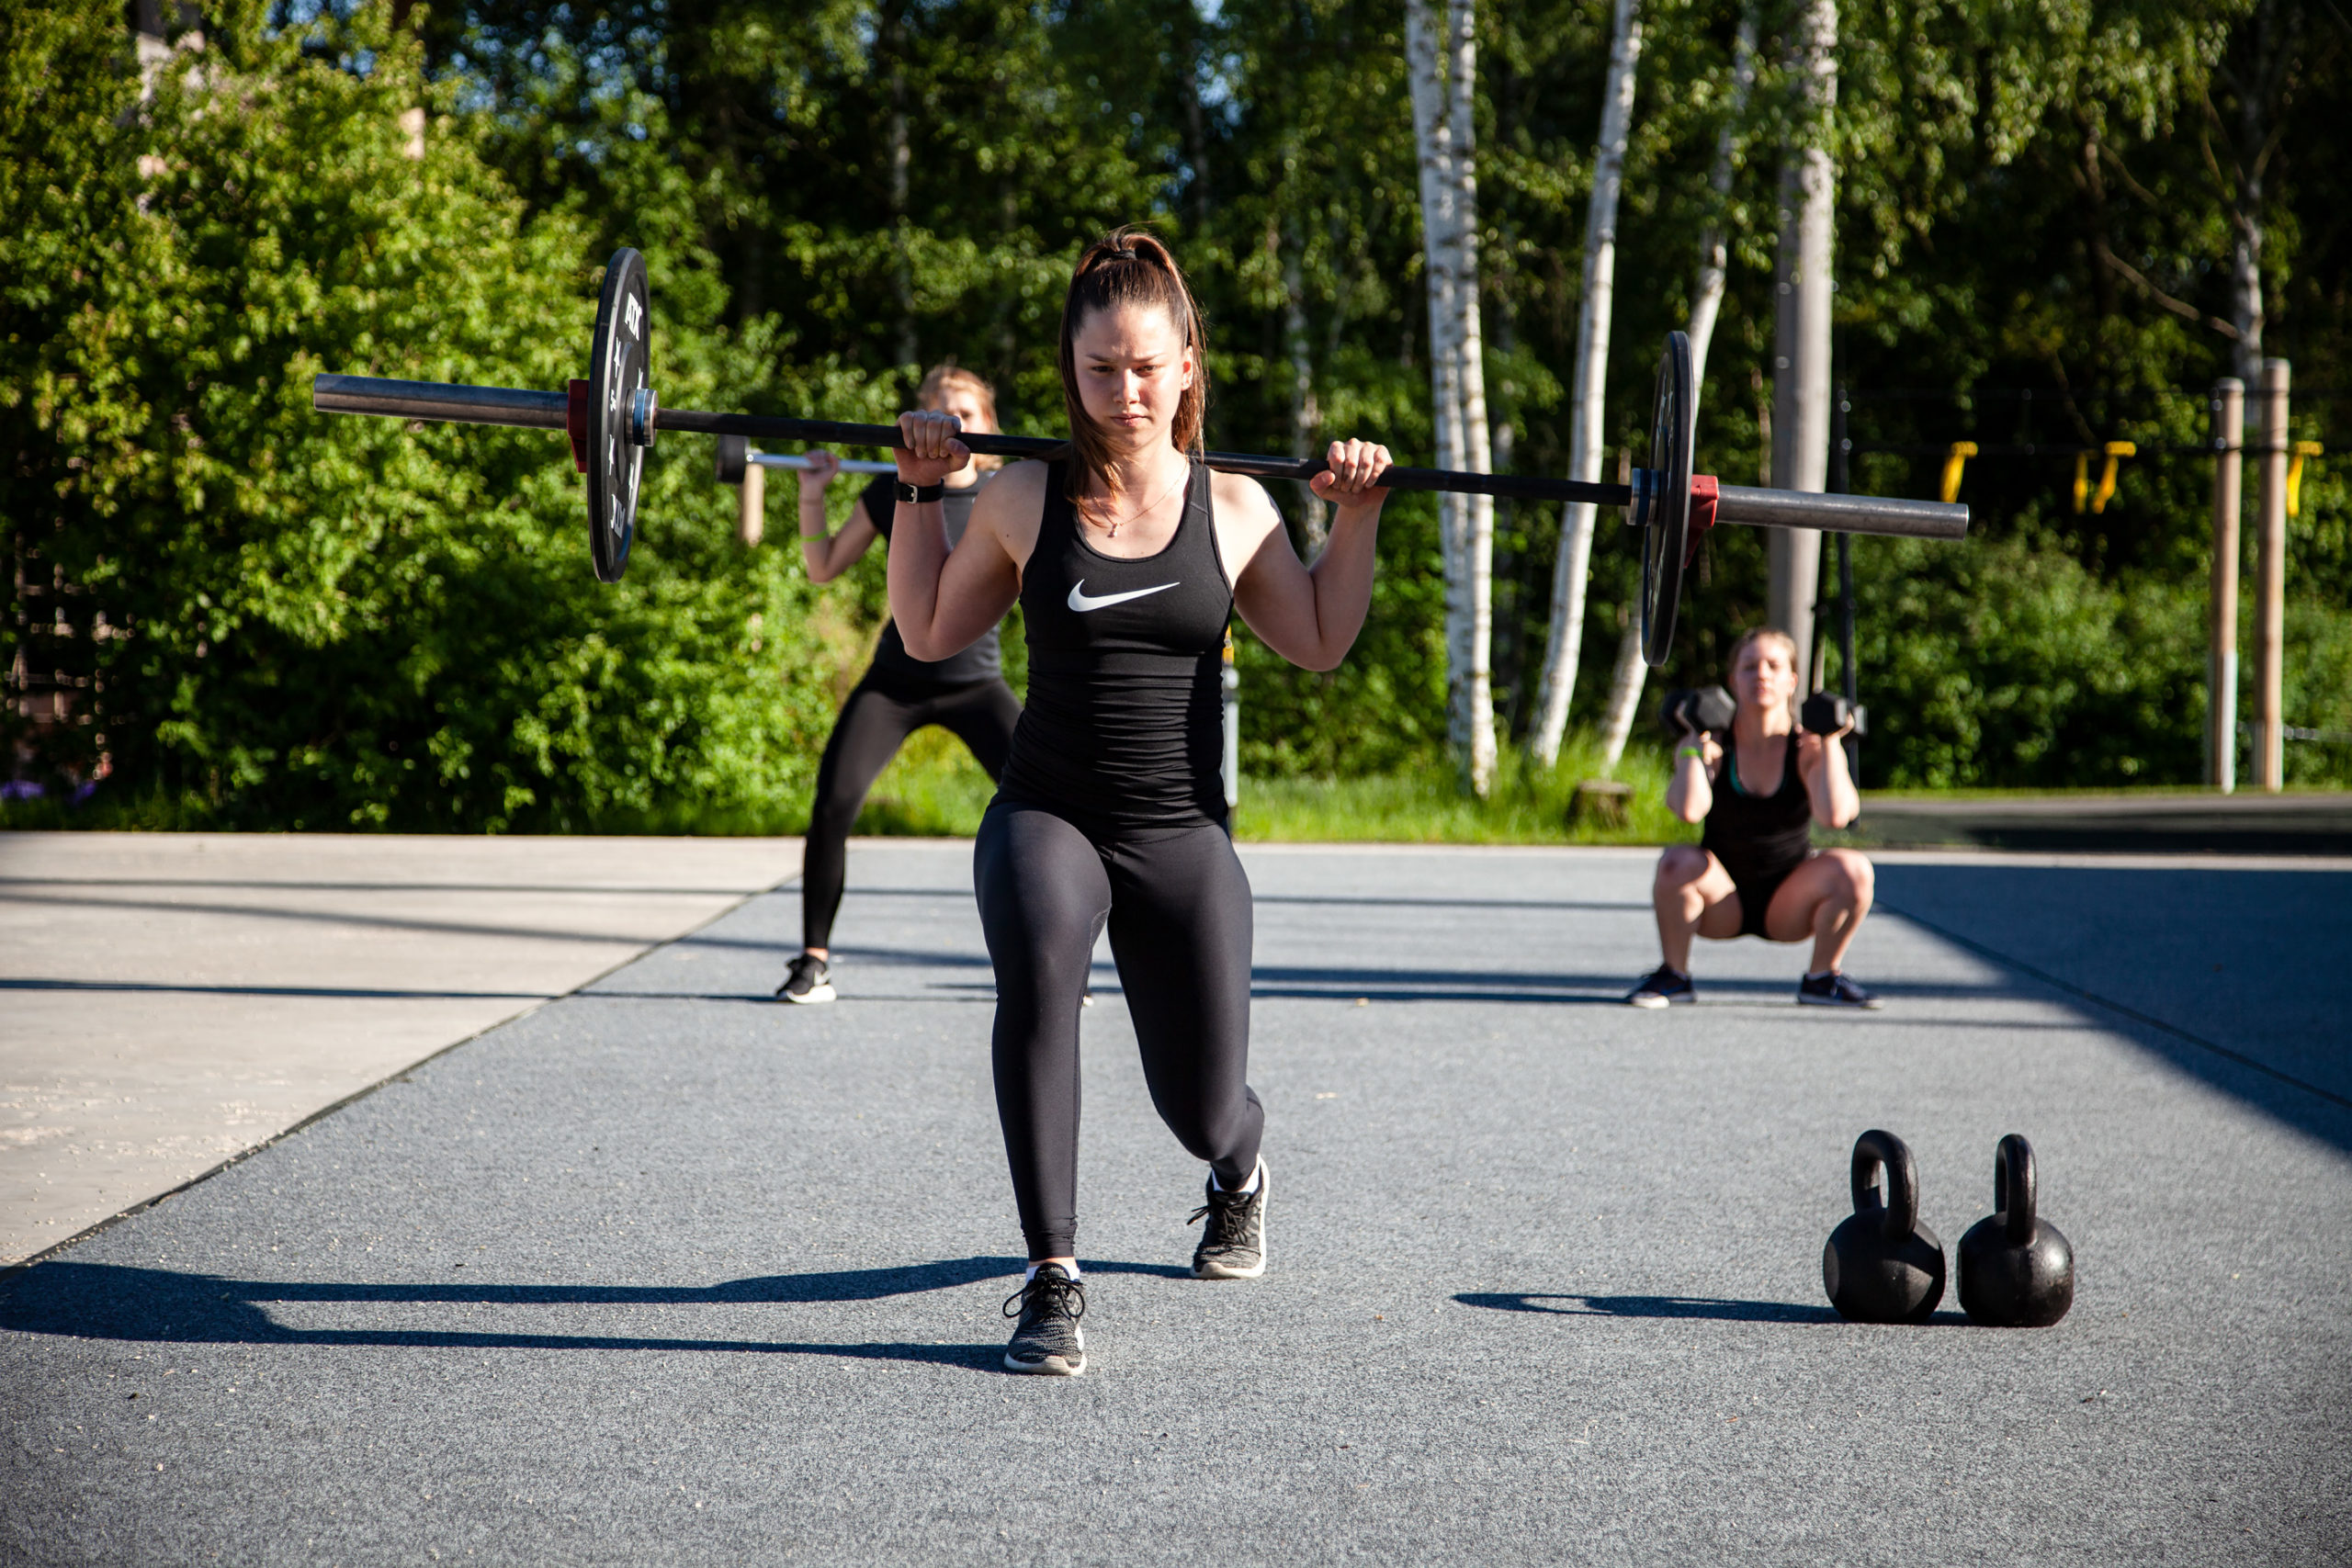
(964, 694)
(1128, 559)
(1753, 872)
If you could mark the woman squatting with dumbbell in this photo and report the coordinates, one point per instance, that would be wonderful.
(1754, 871)
(1127, 558)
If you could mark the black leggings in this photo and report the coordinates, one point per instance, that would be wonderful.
(874, 723)
(1178, 906)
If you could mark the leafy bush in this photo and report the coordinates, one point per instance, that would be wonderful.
(315, 621)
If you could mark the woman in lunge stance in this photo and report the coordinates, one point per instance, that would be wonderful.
(899, 694)
(1127, 559)
(1753, 872)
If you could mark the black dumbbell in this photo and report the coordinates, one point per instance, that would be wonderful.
(1825, 713)
(1708, 708)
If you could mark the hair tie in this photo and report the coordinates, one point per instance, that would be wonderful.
(1122, 253)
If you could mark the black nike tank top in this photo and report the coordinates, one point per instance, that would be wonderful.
(1122, 725)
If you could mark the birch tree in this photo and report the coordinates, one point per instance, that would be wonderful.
(1441, 62)
(1706, 302)
(1588, 384)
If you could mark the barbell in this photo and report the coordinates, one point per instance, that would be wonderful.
(614, 415)
(736, 456)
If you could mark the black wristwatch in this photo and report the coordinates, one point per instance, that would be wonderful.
(916, 495)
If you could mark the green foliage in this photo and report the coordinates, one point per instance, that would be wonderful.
(340, 623)
(280, 619)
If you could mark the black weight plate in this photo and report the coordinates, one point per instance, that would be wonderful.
(622, 351)
(1666, 507)
(734, 456)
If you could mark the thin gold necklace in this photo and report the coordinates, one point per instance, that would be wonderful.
(1111, 529)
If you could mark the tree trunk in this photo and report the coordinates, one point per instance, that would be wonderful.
(1714, 254)
(1442, 70)
(1706, 303)
(1801, 337)
(1304, 416)
(2257, 72)
(1589, 386)
(1624, 691)
(894, 35)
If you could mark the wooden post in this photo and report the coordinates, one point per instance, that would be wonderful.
(2270, 623)
(2221, 659)
(751, 521)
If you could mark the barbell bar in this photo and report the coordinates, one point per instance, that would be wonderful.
(614, 415)
(735, 455)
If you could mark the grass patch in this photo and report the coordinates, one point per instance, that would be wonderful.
(934, 789)
(1527, 805)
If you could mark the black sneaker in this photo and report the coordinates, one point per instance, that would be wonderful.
(1664, 987)
(808, 980)
(1049, 1341)
(1233, 1244)
(1834, 990)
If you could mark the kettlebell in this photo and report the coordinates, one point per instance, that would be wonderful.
(2017, 1269)
(1881, 1264)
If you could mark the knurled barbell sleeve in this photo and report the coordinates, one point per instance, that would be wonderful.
(1841, 513)
(439, 400)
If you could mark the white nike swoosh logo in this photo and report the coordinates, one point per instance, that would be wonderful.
(1081, 601)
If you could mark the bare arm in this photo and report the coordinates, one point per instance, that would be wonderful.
(1309, 614)
(943, 601)
(1821, 760)
(1690, 792)
(827, 556)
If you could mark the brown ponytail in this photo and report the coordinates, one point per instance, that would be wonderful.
(1128, 266)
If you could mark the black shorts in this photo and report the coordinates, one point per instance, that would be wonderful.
(1756, 886)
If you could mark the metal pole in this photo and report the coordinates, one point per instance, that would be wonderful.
(2228, 408)
(1841, 451)
(2270, 757)
(751, 519)
(1801, 351)
(1231, 684)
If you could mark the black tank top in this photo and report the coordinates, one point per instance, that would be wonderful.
(1759, 836)
(894, 668)
(1122, 723)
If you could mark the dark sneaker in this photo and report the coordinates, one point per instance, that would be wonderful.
(808, 980)
(1834, 990)
(1049, 1341)
(1233, 1244)
(1664, 987)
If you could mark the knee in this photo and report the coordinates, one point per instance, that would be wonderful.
(1681, 865)
(1853, 878)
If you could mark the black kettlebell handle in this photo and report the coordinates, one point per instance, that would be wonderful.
(1878, 1150)
(2013, 1187)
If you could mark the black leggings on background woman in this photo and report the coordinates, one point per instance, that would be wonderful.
(964, 694)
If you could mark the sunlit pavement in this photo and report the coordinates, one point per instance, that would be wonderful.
(663, 1272)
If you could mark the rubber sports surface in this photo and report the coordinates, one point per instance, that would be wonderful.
(662, 1272)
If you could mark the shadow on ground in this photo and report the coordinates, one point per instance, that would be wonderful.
(113, 1301)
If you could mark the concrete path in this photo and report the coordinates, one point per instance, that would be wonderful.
(168, 1001)
(661, 1272)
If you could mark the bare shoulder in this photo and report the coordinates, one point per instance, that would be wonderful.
(1246, 517)
(1017, 487)
(1011, 506)
(1243, 497)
